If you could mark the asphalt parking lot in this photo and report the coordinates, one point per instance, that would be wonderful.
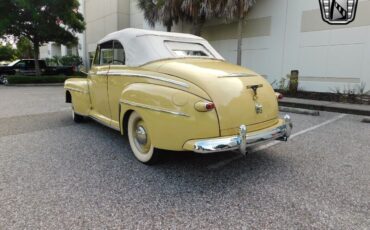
(55, 174)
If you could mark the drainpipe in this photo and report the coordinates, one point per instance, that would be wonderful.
(84, 45)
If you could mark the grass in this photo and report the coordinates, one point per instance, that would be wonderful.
(22, 79)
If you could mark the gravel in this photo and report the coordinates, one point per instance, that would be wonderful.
(55, 174)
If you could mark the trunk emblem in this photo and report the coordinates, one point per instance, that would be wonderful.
(254, 88)
(259, 108)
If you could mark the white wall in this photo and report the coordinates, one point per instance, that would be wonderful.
(327, 57)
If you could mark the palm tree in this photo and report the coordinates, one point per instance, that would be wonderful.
(168, 12)
(151, 11)
(197, 12)
(235, 10)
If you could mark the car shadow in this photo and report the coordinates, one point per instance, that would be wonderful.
(195, 170)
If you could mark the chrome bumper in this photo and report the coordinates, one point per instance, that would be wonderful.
(243, 140)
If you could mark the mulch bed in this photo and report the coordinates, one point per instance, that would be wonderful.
(344, 98)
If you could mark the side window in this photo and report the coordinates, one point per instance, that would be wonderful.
(30, 64)
(119, 57)
(20, 65)
(97, 56)
(106, 53)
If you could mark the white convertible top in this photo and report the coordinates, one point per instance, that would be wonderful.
(143, 46)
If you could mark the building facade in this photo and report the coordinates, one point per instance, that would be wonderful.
(279, 36)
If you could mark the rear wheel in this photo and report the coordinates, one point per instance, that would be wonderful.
(140, 141)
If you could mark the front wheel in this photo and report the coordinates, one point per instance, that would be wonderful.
(76, 117)
(140, 141)
(4, 80)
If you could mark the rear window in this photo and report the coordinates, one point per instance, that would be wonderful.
(187, 49)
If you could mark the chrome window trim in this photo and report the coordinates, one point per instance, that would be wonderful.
(124, 73)
(153, 108)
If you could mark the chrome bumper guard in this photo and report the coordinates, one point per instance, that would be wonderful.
(243, 140)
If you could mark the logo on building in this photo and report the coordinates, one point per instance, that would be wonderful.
(338, 12)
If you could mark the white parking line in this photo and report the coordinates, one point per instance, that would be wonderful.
(262, 147)
(63, 109)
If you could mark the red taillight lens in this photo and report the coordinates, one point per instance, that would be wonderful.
(210, 106)
(204, 106)
(279, 96)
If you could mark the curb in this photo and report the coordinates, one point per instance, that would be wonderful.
(366, 120)
(299, 111)
(29, 85)
(326, 108)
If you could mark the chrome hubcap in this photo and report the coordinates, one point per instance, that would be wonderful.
(141, 135)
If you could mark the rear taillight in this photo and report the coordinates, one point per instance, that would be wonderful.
(279, 96)
(204, 106)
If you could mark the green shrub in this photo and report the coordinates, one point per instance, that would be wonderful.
(22, 79)
(71, 60)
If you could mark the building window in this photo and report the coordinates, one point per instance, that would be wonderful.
(69, 51)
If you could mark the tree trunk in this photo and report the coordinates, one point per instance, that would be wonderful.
(197, 29)
(36, 55)
(240, 41)
(169, 28)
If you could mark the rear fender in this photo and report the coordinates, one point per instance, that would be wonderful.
(169, 115)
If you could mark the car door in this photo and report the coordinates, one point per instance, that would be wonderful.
(30, 68)
(98, 83)
(20, 67)
(116, 81)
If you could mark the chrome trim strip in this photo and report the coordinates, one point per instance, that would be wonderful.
(238, 75)
(76, 90)
(103, 123)
(153, 108)
(124, 73)
(243, 140)
(102, 72)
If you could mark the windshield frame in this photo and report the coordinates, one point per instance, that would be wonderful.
(13, 63)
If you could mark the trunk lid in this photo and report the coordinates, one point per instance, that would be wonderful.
(232, 88)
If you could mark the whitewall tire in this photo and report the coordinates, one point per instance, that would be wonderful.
(140, 141)
(76, 117)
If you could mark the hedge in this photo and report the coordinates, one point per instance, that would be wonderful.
(22, 79)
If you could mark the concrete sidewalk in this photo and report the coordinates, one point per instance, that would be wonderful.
(326, 106)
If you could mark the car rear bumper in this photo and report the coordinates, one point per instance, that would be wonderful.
(240, 142)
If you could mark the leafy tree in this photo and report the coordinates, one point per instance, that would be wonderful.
(24, 48)
(7, 53)
(41, 21)
(235, 10)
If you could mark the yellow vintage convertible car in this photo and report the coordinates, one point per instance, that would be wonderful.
(175, 92)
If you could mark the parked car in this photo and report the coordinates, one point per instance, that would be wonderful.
(175, 92)
(27, 67)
